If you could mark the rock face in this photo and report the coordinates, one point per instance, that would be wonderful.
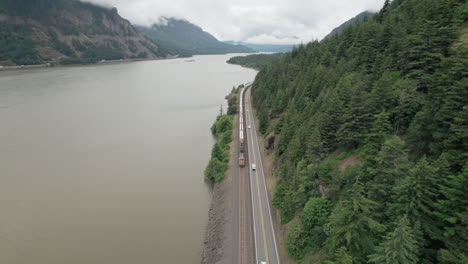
(69, 31)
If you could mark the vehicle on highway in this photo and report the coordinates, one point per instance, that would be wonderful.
(253, 166)
(249, 126)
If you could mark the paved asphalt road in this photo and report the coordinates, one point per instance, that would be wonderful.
(266, 250)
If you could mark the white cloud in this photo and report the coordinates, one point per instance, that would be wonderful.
(272, 21)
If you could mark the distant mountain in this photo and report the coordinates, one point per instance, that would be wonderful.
(361, 17)
(263, 47)
(180, 37)
(70, 31)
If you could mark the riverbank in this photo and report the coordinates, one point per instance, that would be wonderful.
(218, 238)
(53, 65)
(221, 244)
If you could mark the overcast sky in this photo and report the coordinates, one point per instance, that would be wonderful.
(255, 21)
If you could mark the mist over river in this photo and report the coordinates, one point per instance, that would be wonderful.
(104, 164)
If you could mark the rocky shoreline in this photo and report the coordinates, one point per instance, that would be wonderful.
(213, 245)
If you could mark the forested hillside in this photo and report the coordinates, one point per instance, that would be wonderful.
(256, 61)
(69, 31)
(369, 129)
(263, 47)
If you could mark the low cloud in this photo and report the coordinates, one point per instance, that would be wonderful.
(260, 21)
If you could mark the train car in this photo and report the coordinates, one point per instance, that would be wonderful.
(241, 160)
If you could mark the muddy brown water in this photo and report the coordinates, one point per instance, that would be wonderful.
(104, 164)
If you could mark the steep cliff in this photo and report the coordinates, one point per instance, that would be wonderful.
(68, 31)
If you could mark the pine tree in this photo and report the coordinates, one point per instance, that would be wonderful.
(399, 246)
(381, 129)
(383, 11)
(389, 165)
(341, 256)
(415, 195)
(453, 216)
(263, 121)
(351, 224)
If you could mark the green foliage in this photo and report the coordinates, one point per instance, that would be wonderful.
(218, 165)
(392, 90)
(314, 218)
(341, 256)
(222, 130)
(398, 247)
(379, 131)
(233, 100)
(327, 170)
(256, 61)
(286, 199)
(16, 44)
(308, 234)
(351, 225)
(296, 242)
(391, 165)
(263, 121)
(453, 217)
(95, 54)
(415, 194)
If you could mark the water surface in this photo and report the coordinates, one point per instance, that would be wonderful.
(104, 164)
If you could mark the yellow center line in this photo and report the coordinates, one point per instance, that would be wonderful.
(259, 197)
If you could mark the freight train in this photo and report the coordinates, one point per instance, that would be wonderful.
(241, 126)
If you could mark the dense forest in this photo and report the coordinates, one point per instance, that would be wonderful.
(369, 129)
(256, 61)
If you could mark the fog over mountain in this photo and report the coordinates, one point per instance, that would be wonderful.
(260, 22)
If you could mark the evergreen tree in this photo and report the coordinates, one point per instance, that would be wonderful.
(351, 225)
(313, 219)
(398, 246)
(341, 256)
(381, 129)
(415, 194)
(263, 121)
(390, 165)
(453, 216)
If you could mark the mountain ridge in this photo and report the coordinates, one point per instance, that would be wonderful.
(181, 37)
(264, 47)
(359, 18)
(68, 31)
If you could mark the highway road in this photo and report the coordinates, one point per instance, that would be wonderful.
(266, 250)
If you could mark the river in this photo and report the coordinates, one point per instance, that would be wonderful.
(104, 164)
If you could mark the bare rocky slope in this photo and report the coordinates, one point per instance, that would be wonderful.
(67, 31)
